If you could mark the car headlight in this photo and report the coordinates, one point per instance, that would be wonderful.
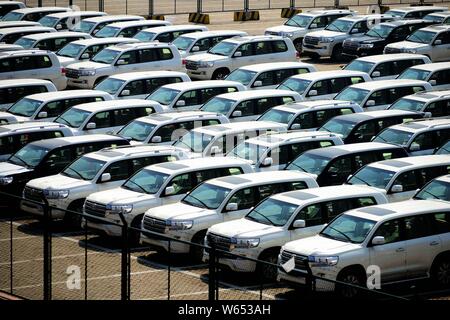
(409, 50)
(116, 209)
(6, 180)
(367, 45)
(87, 72)
(326, 40)
(206, 64)
(56, 194)
(179, 224)
(323, 261)
(287, 34)
(245, 242)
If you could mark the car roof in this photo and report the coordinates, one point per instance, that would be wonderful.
(440, 14)
(112, 40)
(212, 33)
(261, 67)
(136, 23)
(278, 138)
(183, 86)
(436, 28)
(375, 85)
(417, 8)
(47, 96)
(28, 125)
(22, 82)
(396, 23)
(363, 116)
(391, 56)
(253, 38)
(147, 74)
(192, 165)
(318, 75)
(52, 35)
(400, 209)
(40, 9)
(432, 66)
(139, 45)
(120, 152)
(251, 94)
(64, 141)
(114, 104)
(61, 15)
(335, 151)
(5, 24)
(310, 104)
(167, 117)
(316, 12)
(219, 129)
(445, 178)
(362, 17)
(301, 197)
(6, 54)
(20, 29)
(257, 178)
(428, 95)
(408, 163)
(112, 18)
(421, 125)
(177, 27)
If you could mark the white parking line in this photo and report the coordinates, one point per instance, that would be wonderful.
(18, 238)
(53, 257)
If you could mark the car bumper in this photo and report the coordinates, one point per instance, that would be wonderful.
(200, 74)
(112, 230)
(235, 263)
(81, 82)
(38, 210)
(304, 280)
(322, 50)
(159, 242)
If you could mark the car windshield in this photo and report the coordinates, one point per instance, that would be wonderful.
(433, 18)
(84, 26)
(84, 168)
(277, 116)
(414, 74)
(340, 25)
(352, 94)
(272, 212)
(163, 95)
(146, 181)
(25, 107)
(407, 104)
(293, 84)
(248, 151)
(309, 162)
(107, 32)
(434, 190)
(110, 85)
(29, 156)
(373, 177)
(242, 76)
(395, 13)
(25, 43)
(380, 31)
(421, 36)
(194, 141)
(394, 136)
(183, 43)
(71, 50)
(13, 16)
(299, 20)
(145, 36)
(73, 117)
(206, 196)
(348, 228)
(137, 130)
(338, 126)
(223, 48)
(106, 56)
(218, 105)
(445, 149)
(359, 65)
(47, 21)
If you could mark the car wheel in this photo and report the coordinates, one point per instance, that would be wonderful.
(298, 45)
(268, 271)
(337, 53)
(71, 218)
(352, 277)
(196, 252)
(134, 234)
(220, 74)
(441, 272)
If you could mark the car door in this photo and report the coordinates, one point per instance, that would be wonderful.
(314, 216)
(441, 79)
(390, 257)
(135, 90)
(245, 199)
(103, 122)
(246, 56)
(247, 110)
(318, 90)
(441, 52)
(119, 171)
(182, 184)
(409, 182)
(378, 100)
(189, 100)
(337, 171)
(423, 144)
(128, 62)
(267, 80)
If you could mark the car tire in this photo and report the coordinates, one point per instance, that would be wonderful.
(336, 55)
(71, 218)
(440, 271)
(298, 44)
(351, 276)
(134, 234)
(220, 74)
(266, 271)
(196, 252)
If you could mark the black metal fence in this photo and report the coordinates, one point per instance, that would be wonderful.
(43, 259)
(169, 7)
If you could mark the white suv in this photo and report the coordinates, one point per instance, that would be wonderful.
(216, 200)
(128, 29)
(414, 12)
(432, 41)
(299, 25)
(400, 178)
(93, 172)
(437, 74)
(123, 58)
(12, 91)
(281, 218)
(153, 186)
(52, 41)
(438, 188)
(433, 103)
(274, 151)
(406, 240)
(234, 53)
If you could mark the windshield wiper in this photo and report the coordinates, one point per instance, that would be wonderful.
(21, 160)
(297, 166)
(190, 148)
(346, 236)
(76, 172)
(204, 204)
(68, 123)
(361, 180)
(298, 24)
(334, 27)
(261, 216)
(431, 194)
(379, 35)
(140, 187)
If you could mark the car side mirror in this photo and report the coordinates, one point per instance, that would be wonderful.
(299, 224)
(237, 54)
(257, 83)
(169, 191)
(42, 114)
(232, 206)
(432, 82)
(378, 240)
(91, 126)
(195, 49)
(427, 114)
(125, 93)
(414, 147)
(355, 31)
(215, 150)
(85, 56)
(349, 177)
(370, 103)
(296, 126)
(396, 188)
(58, 27)
(236, 114)
(156, 139)
(437, 42)
(376, 74)
(312, 93)
(121, 62)
(313, 26)
(267, 162)
(105, 177)
(181, 103)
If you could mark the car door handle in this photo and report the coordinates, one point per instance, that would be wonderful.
(400, 250)
(434, 243)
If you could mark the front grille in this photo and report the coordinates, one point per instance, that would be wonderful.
(219, 242)
(191, 65)
(301, 261)
(271, 33)
(311, 40)
(350, 45)
(155, 225)
(95, 209)
(72, 73)
(33, 194)
(392, 50)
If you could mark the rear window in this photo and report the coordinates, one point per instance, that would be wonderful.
(25, 63)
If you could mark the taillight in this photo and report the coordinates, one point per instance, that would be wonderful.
(183, 61)
(63, 70)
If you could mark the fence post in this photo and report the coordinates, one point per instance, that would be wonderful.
(125, 294)
(292, 4)
(199, 6)
(11, 255)
(47, 252)
(151, 7)
(39, 3)
(246, 5)
(212, 274)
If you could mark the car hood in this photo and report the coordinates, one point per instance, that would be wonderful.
(408, 45)
(57, 182)
(119, 196)
(365, 39)
(10, 116)
(87, 65)
(206, 57)
(318, 245)
(65, 61)
(284, 28)
(243, 228)
(326, 33)
(179, 211)
(7, 169)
